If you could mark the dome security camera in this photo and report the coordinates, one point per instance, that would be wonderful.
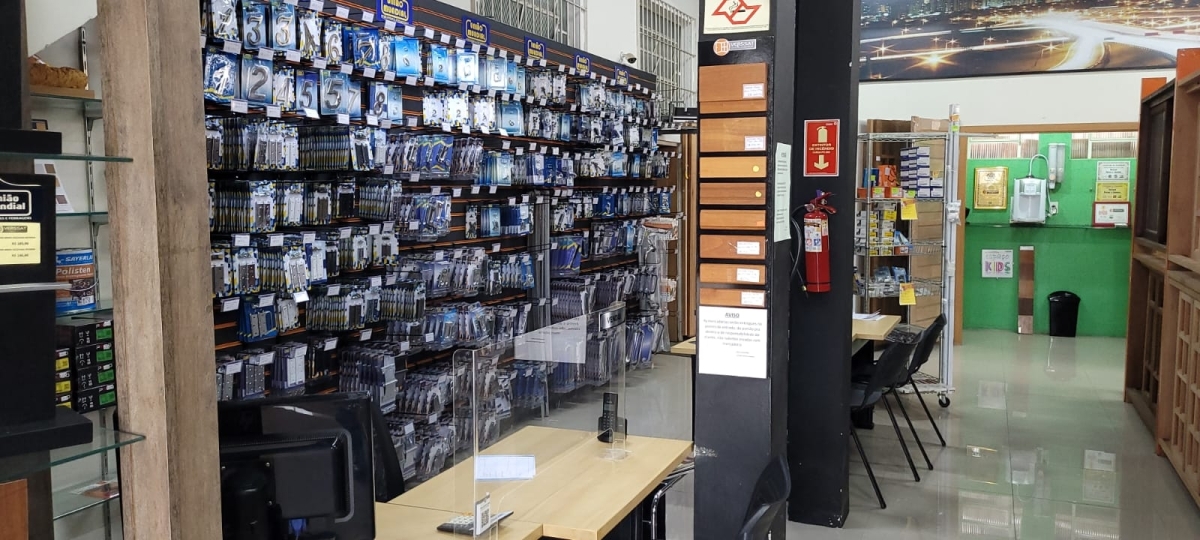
(629, 58)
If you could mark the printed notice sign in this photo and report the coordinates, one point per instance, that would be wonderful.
(20, 243)
(783, 192)
(997, 263)
(732, 342)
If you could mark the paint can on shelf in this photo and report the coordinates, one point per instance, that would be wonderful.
(77, 267)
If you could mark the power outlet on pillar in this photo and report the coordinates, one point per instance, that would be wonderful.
(1053, 208)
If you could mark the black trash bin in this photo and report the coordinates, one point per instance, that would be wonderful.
(1064, 313)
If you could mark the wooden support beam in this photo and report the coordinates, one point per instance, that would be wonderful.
(163, 312)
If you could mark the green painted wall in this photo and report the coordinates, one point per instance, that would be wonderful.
(1070, 255)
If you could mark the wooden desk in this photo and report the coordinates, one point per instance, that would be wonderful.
(577, 494)
(875, 330)
(400, 522)
(685, 348)
(863, 330)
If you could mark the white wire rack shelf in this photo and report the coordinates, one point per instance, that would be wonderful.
(891, 288)
(898, 250)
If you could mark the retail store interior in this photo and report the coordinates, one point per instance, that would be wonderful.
(631, 270)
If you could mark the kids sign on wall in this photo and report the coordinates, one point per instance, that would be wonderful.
(998, 263)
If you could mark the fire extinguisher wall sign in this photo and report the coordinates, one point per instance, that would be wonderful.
(822, 147)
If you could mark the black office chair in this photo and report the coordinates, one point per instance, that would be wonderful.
(890, 368)
(770, 494)
(920, 357)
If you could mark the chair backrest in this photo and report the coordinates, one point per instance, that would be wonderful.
(889, 370)
(770, 494)
(925, 348)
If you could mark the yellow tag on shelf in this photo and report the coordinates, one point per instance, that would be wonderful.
(908, 295)
(908, 210)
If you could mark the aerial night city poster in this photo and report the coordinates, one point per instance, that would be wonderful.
(933, 39)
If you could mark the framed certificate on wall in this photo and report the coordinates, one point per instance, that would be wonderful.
(991, 188)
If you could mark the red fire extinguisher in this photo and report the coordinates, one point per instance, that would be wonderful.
(816, 243)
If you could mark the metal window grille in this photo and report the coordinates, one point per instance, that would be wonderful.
(1022, 145)
(563, 21)
(1112, 145)
(667, 48)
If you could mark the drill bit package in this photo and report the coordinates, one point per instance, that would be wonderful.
(318, 204)
(222, 76)
(404, 301)
(244, 207)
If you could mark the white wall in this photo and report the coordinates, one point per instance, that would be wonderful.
(1024, 99)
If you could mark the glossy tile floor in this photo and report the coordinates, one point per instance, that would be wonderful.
(1040, 446)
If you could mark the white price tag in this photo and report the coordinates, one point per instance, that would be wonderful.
(275, 240)
(385, 123)
(320, 63)
(273, 111)
(756, 143)
(331, 343)
(390, 26)
(372, 120)
(390, 279)
(466, 130)
(504, 54)
(433, 418)
(429, 337)
(373, 229)
(456, 192)
(410, 31)
(460, 43)
(333, 290)
(292, 56)
(428, 81)
(520, 151)
(230, 304)
(376, 281)
(368, 16)
(512, 201)
(414, 177)
(316, 5)
(561, 68)
(311, 113)
(389, 75)
(525, 199)
(266, 53)
(241, 240)
(428, 33)
(347, 69)
(365, 335)
(539, 200)
(411, 121)
(342, 12)
(445, 39)
(369, 73)
(343, 119)
(266, 300)
(413, 226)
(492, 190)
(528, 99)
(474, 190)
(310, 237)
(410, 80)
(239, 106)
(517, 58)
(345, 232)
(446, 127)
(232, 47)
(496, 247)
(748, 275)
(475, 47)
(754, 298)
(300, 297)
(436, 190)
(389, 169)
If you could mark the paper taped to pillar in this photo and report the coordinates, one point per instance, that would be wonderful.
(732, 342)
(736, 16)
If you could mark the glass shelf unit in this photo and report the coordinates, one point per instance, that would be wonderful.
(103, 440)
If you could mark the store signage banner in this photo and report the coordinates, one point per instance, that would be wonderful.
(535, 48)
(476, 31)
(622, 76)
(937, 39)
(998, 263)
(397, 11)
(583, 65)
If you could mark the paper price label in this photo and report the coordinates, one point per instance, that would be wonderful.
(275, 240)
(410, 80)
(372, 120)
(232, 47)
(331, 344)
(273, 111)
(239, 106)
(389, 169)
(320, 63)
(389, 75)
(369, 73)
(373, 229)
(496, 248)
(311, 113)
(266, 300)
(460, 43)
(754, 298)
(492, 190)
(230, 304)
(241, 240)
(491, 51)
(390, 279)
(429, 33)
(300, 297)
(292, 56)
(505, 145)
(445, 39)
(556, 149)
(344, 232)
(756, 143)
(316, 5)
(456, 192)
(266, 54)
(346, 69)
(748, 275)
(333, 290)
(342, 12)
(512, 201)
(368, 16)
(414, 177)
(365, 335)
(343, 119)
(411, 121)
(908, 294)
(410, 31)
(390, 26)
(474, 190)
(433, 418)
(310, 237)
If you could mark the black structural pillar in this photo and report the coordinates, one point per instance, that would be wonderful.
(746, 104)
(826, 65)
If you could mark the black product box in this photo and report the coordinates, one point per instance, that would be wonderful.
(90, 399)
(88, 356)
(97, 375)
(79, 332)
